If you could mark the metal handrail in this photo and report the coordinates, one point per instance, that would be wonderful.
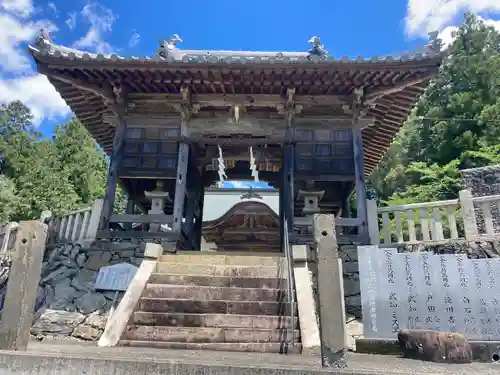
(290, 279)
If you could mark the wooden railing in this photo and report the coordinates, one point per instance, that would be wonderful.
(438, 221)
(79, 225)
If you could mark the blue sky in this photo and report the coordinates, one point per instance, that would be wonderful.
(347, 28)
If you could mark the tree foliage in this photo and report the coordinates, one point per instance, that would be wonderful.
(60, 174)
(455, 125)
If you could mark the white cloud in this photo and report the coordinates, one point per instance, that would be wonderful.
(134, 39)
(448, 34)
(71, 21)
(101, 20)
(18, 80)
(53, 7)
(424, 16)
(37, 93)
(20, 8)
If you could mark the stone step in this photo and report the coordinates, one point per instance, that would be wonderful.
(206, 334)
(235, 259)
(221, 281)
(167, 305)
(202, 293)
(212, 320)
(221, 270)
(227, 347)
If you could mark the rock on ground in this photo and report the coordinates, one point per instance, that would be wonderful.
(435, 346)
(57, 322)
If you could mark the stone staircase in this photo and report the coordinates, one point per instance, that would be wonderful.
(216, 301)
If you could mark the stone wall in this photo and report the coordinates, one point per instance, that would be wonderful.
(482, 182)
(67, 305)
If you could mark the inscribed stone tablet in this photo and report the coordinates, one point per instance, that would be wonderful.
(116, 277)
(369, 285)
(495, 297)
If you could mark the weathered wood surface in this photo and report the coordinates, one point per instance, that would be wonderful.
(395, 91)
(143, 219)
(330, 293)
(112, 180)
(22, 286)
(137, 234)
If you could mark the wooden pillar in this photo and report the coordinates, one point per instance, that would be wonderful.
(114, 164)
(198, 229)
(22, 286)
(359, 164)
(281, 207)
(289, 166)
(330, 293)
(185, 109)
(180, 186)
(287, 189)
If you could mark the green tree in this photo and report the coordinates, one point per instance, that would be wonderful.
(455, 125)
(84, 162)
(8, 199)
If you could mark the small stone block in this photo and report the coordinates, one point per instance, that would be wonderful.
(153, 250)
(426, 345)
(299, 253)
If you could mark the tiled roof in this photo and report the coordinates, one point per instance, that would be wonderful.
(170, 53)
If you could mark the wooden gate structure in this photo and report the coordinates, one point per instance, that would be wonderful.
(301, 120)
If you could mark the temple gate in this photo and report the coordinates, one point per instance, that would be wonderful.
(186, 117)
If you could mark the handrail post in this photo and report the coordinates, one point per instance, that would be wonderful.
(95, 217)
(469, 215)
(332, 323)
(372, 219)
(290, 281)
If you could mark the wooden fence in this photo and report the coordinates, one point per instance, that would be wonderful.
(438, 221)
(78, 225)
(432, 222)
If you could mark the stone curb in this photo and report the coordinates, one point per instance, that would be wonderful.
(15, 363)
(482, 351)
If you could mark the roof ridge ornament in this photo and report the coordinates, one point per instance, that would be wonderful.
(44, 40)
(317, 49)
(250, 194)
(167, 46)
(435, 43)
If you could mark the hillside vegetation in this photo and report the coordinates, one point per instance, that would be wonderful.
(456, 124)
(61, 173)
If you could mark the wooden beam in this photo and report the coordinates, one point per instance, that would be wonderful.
(104, 90)
(102, 234)
(374, 95)
(258, 100)
(249, 231)
(143, 219)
